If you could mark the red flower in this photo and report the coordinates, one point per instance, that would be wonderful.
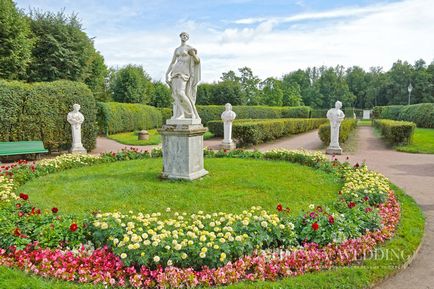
(315, 226)
(54, 210)
(38, 211)
(331, 220)
(18, 205)
(25, 197)
(356, 165)
(367, 210)
(17, 232)
(73, 227)
(366, 198)
(279, 207)
(351, 205)
(20, 214)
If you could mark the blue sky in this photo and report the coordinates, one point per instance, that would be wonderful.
(272, 37)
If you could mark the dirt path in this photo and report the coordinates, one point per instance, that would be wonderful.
(309, 140)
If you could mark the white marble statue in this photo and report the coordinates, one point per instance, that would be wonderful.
(76, 118)
(183, 76)
(228, 117)
(335, 116)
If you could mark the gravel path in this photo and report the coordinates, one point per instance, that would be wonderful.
(412, 172)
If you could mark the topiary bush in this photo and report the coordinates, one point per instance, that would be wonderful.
(395, 132)
(38, 111)
(347, 126)
(114, 117)
(254, 131)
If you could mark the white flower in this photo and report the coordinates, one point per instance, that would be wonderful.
(156, 259)
(311, 206)
(123, 255)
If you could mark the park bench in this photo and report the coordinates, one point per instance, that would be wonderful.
(21, 148)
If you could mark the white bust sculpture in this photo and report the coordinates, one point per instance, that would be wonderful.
(76, 118)
(183, 76)
(335, 116)
(228, 117)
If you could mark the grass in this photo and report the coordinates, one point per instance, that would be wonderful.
(231, 186)
(407, 238)
(131, 138)
(364, 122)
(423, 142)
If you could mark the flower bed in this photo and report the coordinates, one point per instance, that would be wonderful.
(202, 249)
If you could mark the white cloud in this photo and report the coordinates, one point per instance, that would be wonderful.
(375, 35)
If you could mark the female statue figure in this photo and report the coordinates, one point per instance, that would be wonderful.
(76, 118)
(183, 76)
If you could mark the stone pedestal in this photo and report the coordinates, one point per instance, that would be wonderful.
(183, 149)
(334, 150)
(77, 149)
(228, 146)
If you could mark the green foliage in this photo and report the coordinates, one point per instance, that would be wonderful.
(213, 112)
(347, 126)
(38, 112)
(272, 93)
(16, 43)
(161, 96)
(421, 114)
(95, 77)
(422, 142)
(131, 138)
(249, 132)
(395, 132)
(114, 117)
(131, 84)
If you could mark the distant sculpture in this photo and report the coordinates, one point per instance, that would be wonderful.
(228, 117)
(183, 76)
(335, 116)
(76, 118)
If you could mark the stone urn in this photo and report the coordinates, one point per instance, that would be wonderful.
(143, 135)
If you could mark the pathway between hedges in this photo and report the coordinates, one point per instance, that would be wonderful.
(412, 172)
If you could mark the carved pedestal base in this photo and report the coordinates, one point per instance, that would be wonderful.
(334, 150)
(183, 151)
(228, 146)
(77, 150)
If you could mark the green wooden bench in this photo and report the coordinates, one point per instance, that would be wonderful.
(21, 148)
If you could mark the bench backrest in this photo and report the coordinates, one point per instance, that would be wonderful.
(21, 148)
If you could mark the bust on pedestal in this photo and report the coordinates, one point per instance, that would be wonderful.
(182, 135)
(228, 117)
(76, 118)
(335, 116)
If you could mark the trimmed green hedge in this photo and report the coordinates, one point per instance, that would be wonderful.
(38, 111)
(395, 132)
(253, 131)
(347, 126)
(213, 112)
(115, 117)
(322, 112)
(421, 114)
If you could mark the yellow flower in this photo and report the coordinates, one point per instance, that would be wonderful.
(202, 255)
(222, 257)
(183, 256)
(123, 255)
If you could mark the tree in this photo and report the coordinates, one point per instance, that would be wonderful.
(226, 91)
(230, 76)
(272, 93)
(161, 96)
(357, 84)
(249, 86)
(292, 95)
(96, 77)
(16, 43)
(205, 93)
(131, 84)
(399, 77)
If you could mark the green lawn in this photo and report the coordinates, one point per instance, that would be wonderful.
(364, 122)
(407, 239)
(423, 142)
(131, 138)
(232, 186)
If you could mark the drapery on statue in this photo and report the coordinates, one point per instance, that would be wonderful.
(335, 116)
(183, 76)
(76, 118)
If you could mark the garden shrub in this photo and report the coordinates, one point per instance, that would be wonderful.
(396, 132)
(38, 111)
(115, 117)
(254, 131)
(347, 126)
(322, 112)
(421, 114)
(213, 112)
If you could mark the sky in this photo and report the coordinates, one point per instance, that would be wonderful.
(273, 37)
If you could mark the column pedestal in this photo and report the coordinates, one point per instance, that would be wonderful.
(183, 149)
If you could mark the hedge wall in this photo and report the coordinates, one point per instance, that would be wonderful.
(114, 117)
(421, 114)
(250, 132)
(320, 112)
(347, 126)
(213, 112)
(395, 132)
(38, 111)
